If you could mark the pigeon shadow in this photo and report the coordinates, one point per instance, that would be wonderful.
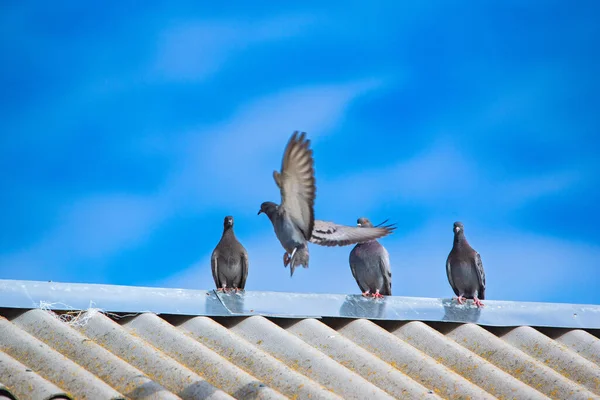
(464, 313)
(234, 302)
(213, 306)
(357, 306)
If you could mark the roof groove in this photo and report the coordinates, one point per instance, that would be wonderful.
(165, 370)
(517, 363)
(25, 383)
(191, 356)
(305, 359)
(52, 365)
(200, 359)
(556, 356)
(249, 357)
(357, 359)
(457, 358)
(411, 361)
(583, 343)
(96, 359)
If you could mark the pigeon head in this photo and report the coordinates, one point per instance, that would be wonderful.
(269, 208)
(458, 227)
(228, 222)
(364, 222)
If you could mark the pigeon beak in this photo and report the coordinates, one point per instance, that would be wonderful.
(457, 229)
(359, 224)
(259, 212)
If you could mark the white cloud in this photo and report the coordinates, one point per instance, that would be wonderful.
(428, 177)
(519, 191)
(225, 165)
(231, 164)
(442, 177)
(196, 49)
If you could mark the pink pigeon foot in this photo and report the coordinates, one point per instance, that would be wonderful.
(478, 302)
(377, 295)
(460, 299)
(366, 294)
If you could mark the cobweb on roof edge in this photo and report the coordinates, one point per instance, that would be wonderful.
(77, 318)
(72, 318)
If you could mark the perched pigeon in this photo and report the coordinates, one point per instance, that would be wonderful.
(370, 265)
(294, 221)
(229, 260)
(465, 270)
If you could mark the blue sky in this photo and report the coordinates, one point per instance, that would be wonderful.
(128, 134)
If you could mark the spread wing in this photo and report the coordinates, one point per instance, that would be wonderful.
(296, 183)
(386, 272)
(480, 275)
(213, 266)
(245, 263)
(332, 234)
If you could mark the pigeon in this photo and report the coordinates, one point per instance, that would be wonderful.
(465, 269)
(370, 265)
(294, 221)
(229, 260)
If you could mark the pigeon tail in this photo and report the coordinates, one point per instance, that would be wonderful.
(481, 294)
(299, 257)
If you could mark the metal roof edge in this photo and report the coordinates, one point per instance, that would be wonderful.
(136, 299)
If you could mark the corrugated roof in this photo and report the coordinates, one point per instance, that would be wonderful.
(96, 355)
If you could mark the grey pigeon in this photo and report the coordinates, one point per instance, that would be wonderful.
(465, 269)
(370, 265)
(229, 260)
(294, 221)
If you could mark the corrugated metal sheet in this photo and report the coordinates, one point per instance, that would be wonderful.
(124, 299)
(146, 356)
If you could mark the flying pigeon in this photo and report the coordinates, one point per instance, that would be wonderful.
(229, 260)
(465, 269)
(370, 265)
(294, 221)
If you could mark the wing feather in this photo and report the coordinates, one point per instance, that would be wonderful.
(214, 267)
(296, 182)
(480, 276)
(449, 273)
(332, 234)
(245, 264)
(353, 269)
(386, 272)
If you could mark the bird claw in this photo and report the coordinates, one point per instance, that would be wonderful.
(375, 295)
(478, 302)
(460, 299)
(286, 259)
